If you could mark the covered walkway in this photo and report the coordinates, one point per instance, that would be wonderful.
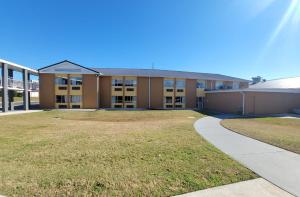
(8, 84)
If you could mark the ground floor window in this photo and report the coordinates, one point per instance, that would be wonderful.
(199, 103)
(178, 106)
(169, 106)
(130, 99)
(75, 99)
(168, 99)
(179, 99)
(62, 106)
(117, 99)
(61, 99)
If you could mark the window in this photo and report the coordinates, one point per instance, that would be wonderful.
(169, 90)
(178, 106)
(129, 82)
(236, 85)
(62, 106)
(129, 106)
(201, 84)
(117, 99)
(75, 99)
(117, 82)
(130, 89)
(169, 106)
(75, 81)
(169, 83)
(61, 99)
(180, 90)
(168, 99)
(179, 99)
(76, 88)
(76, 106)
(117, 106)
(62, 88)
(219, 85)
(180, 83)
(61, 81)
(118, 89)
(199, 103)
(130, 99)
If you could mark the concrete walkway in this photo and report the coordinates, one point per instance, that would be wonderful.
(19, 112)
(251, 188)
(276, 165)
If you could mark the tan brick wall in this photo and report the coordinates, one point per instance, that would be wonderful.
(271, 103)
(157, 92)
(191, 85)
(225, 102)
(142, 92)
(47, 91)
(105, 92)
(89, 96)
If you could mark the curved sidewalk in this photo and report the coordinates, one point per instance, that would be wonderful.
(276, 165)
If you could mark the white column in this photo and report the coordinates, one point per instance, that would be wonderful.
(5, 88)
(25, 92)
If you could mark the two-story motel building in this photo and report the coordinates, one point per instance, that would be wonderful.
(69, 85)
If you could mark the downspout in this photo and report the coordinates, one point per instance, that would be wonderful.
(149, 93)
(97, 89)
(243, 101)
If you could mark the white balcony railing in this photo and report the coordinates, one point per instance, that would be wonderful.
(18, 84)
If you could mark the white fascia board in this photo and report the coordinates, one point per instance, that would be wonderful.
(67, 68)
(296, 91)
(18, 67)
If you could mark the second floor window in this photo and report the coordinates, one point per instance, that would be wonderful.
(168, 83)
(219, 85)
(131, 83)
(61, 81)
(117, 82)
(236, 85)
(75, 81)
(201, 84)
(180, 83)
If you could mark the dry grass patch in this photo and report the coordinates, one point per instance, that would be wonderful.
(282, 132)
(109, 153)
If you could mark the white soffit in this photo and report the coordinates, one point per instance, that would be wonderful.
(67, 68)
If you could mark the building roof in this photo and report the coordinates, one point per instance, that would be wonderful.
(164, 73)
(66, 65)
(286, 83)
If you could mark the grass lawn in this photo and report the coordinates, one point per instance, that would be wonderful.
(20, 99)
(281, 132)
(109, 153)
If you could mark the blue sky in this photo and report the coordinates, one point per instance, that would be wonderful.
(241, 38)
